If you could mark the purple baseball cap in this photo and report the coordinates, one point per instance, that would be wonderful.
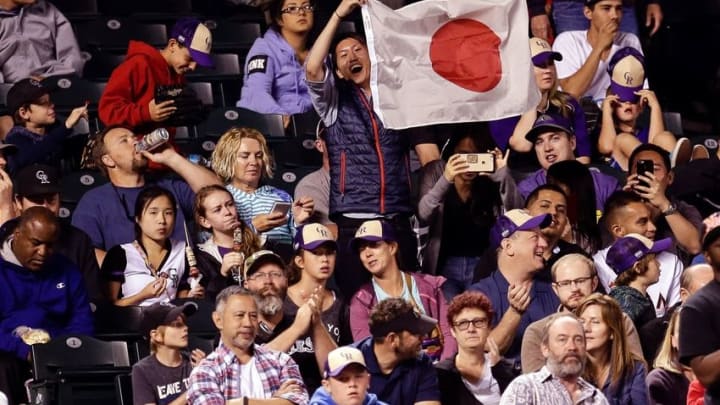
(549, 122)
(190, 32)
(629, 249)
(627, 74)
(312, 236)
(374, 231)
(516, 220)
(541, 52)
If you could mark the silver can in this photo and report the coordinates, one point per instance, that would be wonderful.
(153, 140)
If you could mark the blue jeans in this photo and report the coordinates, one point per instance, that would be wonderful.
(568, 16)
(459, 272)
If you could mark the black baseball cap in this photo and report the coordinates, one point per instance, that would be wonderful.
(411, 321)
(162, 313)
(26, 91)
(37, 179)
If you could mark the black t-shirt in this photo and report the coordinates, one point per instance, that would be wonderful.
(700, 328)
(154, 382)
(462, 236)
(337, 322)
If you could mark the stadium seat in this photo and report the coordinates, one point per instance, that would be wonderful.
(100, 65)
(304, 124)
(226, 65)
(286, 178)
(203, 91)
(144, 8)
(73, 92)
(123, 389)
(673, 122)
(114, 34)
(222, 119)
(204, 344)
(296, 152)
(4, 88)
(113, 323)
(78, 10)
(77, 369)
(233, 36)
(76, 184)
(200, 324)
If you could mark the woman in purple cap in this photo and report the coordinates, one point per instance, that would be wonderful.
(633, 257)
(552, 101)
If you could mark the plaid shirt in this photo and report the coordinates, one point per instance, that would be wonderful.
(217, 378)
(542, 387)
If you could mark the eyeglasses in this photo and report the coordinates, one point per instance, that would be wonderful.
(577, 282)
(308, 8)
(274, 275)
(477, 323)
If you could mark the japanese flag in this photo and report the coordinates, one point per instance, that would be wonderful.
(443, 61)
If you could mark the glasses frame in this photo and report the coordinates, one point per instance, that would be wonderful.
(477, 323)
(576, 282)
(295, 10)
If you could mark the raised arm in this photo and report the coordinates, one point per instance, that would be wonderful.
(196, 176)
(315, 65)
(579, 82)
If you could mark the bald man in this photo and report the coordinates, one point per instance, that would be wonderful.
(652, 333)
(40, 289)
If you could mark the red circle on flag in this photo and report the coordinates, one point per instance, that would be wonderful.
(467, 53)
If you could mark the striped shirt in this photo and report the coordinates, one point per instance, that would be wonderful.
(250, 205)
(218, 377)
(542, 388)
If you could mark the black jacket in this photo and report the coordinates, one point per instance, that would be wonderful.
(453, 390)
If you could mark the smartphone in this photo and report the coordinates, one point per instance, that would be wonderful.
(480, 162)
(282, 207)
(645, 166)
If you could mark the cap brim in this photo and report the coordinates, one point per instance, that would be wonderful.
(318, 243)
(369, 238)
(423, 325)
(540, 221)
(188, 309)
(8, 148)
(537, 131)
(202, 59)
(339, 370)
(543, 57)
(625, 94)
(661, 245)
(263, 260)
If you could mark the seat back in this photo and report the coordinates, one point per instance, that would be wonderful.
(75, 355)
(123, 389)
(114, 34)
(222, 119)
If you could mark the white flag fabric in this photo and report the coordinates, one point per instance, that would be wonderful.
(444, 61)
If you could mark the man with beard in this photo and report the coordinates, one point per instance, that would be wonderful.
(265, 275)
(517, 297)
(559, 382)
(573, 278)
(240, 371)
(400, 374)
(106, 214)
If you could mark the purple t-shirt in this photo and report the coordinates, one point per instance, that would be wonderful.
(605, 185)
(106, 213)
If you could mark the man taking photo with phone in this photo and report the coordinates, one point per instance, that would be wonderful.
(649, 177)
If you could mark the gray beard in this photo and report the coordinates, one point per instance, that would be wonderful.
(563, 370)
(270, 305)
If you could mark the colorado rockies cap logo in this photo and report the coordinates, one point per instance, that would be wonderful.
(40, 175)
(628, 78)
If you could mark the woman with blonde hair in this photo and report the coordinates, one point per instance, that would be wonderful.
(611, 366)
(552, 101)
(242, 160)
(668, 383)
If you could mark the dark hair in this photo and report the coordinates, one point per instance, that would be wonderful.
(649, 147)
(582, 210)
(17, 119)
(339, 38)
(144, 199)
(544, 187)
(617, 201)
(469, 299)
(387, 311)
(275, 13)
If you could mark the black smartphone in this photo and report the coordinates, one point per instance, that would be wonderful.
(645, 166)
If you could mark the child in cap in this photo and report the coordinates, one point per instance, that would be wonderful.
(625, 102)
(37, 133)
(129, 98)
(326, 315)
(633, 258)
(345, 380)
(163, 376)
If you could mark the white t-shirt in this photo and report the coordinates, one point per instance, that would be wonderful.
(575, 49)
(664, 294)
(251, 385)
(487, 390)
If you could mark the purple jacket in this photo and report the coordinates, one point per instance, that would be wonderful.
(274, 81)
(432, 299)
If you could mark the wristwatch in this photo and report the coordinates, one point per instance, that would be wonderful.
(671, 209)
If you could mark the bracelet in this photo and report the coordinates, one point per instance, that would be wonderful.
(338, 15)
(671, 209)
